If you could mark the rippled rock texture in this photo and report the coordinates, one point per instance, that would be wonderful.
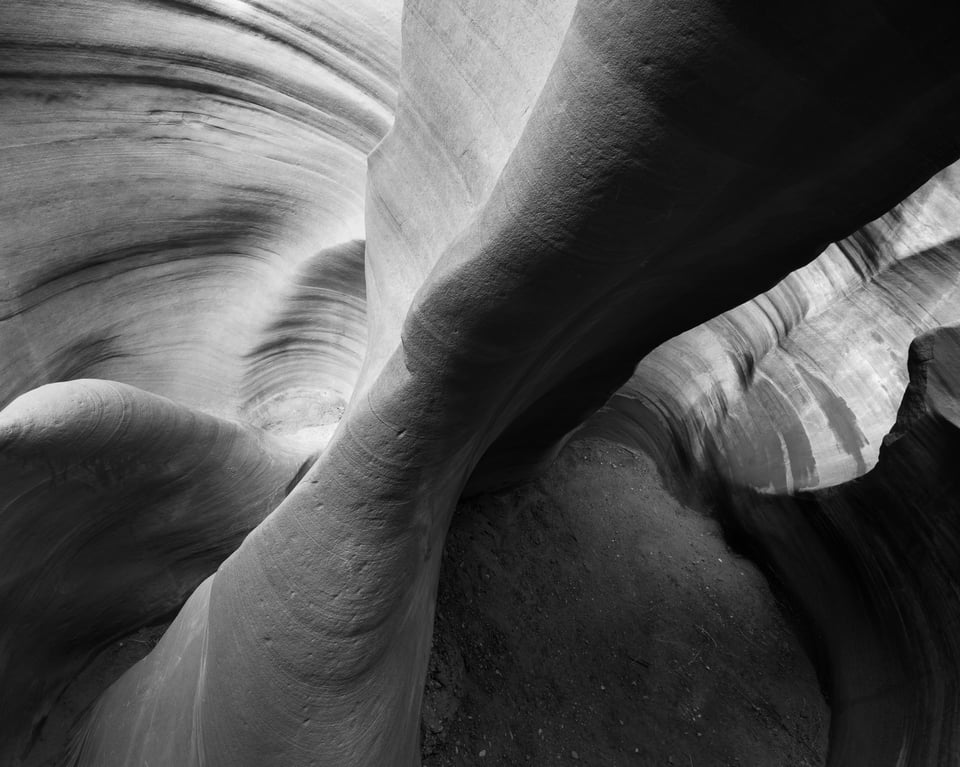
(183, 200)
(874, 564)
(796, 388)
(302, 273)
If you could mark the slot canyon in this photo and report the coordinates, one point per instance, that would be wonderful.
(464, 382)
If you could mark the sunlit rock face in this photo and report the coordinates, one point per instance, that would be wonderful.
(172, 174)
(873, 564)
(299, 377)
(182, 198)
(796, 388)
(281, 283)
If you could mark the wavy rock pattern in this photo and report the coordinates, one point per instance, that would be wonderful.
(305, 368)
(874, 564)
(181, 189)
(566, 186)
(183, 158)
(472, 72)
(332, 649)
(117, 503)
(795, 389)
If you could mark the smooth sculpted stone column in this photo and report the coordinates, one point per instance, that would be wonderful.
(677, 159)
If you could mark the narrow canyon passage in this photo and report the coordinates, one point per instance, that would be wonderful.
(281, 283)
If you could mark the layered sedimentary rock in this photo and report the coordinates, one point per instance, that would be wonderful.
(796, 388)
(302, 372)
(530, 316)
(182, 193)
(874, 564)
(167, 169)
(566, 186)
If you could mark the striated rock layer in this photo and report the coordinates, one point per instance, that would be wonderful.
(182, 196)
(566, 186)
(796, 388)
(657, 159)
(168, 167)
(874, 564)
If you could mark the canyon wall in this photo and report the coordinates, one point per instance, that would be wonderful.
(196, 189)
(795, 389)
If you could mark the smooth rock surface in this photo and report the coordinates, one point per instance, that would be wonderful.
(541, 298)
(565, 187)
(116, 505)
(181, 190)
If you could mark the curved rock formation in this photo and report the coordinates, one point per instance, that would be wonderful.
(168, 167)
(182, 189)
(796, 388)
(874, 564)
(117, 503)
(566, 186)
(302, 372)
